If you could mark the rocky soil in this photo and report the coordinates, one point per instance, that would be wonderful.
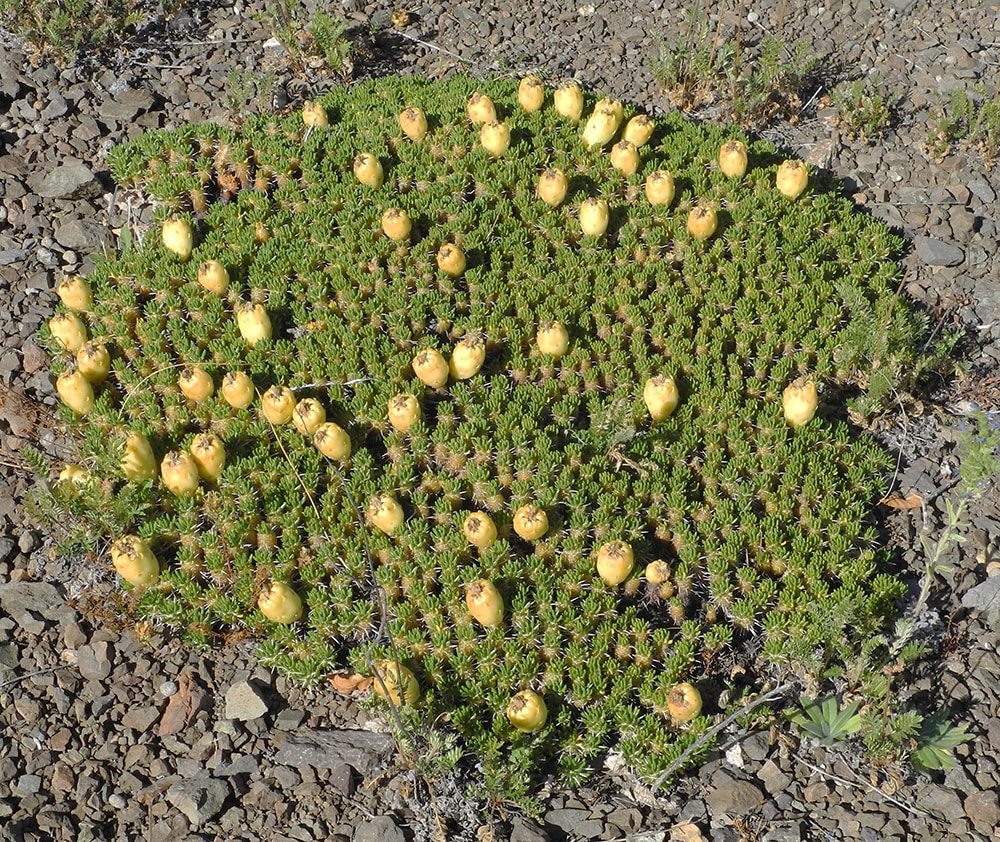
(121, 734)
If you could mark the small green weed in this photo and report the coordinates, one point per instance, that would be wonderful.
(935, 741)
(757, 83)
(316, 43)
(826, 720)
(248, 90)
(62, 29)
(971, 121)
(979, 455)
(863, 113)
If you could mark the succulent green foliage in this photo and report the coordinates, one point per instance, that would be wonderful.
(826, 720)
(936, 739)
(759, 523)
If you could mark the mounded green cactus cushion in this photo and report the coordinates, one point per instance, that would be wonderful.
(756, 522)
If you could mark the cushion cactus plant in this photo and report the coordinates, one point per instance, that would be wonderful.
(755, 520)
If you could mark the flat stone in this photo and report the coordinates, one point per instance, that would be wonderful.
(366, 751)
(141, 718)
(526, 830)
(245, 764)
(28, 784)
(732, 795)
(127, 105)
(983, 810)
(67, 180)
(378, 829)
(244, 702)
(935, 252)
(774, 779)
(783, 833)
(80, 234)
(94, 660)
(940, 801)
(567, 819)
(199, 799)
(8, 256)
(985, 597)
(29, 604)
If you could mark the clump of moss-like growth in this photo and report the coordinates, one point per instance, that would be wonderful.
(550, 442)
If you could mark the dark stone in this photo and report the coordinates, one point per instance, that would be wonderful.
(366, 751)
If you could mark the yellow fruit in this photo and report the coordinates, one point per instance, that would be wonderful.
(495, 138)
(531, 94)
(196, 383)
(527, 711)
(660, 396)
(660, 188)
(209, 456)
(178, 237)
(277, 404)
(468, 356)
(625, 157)
(615, 561)
(552, 186)
(253, 322)
(431, 367)
(396, 683)
(308, 415)
(237, 389)
(733, 158)
(413, 122)
(480, 529)
(74, 291)
(213, 276)
(138, 461)
(657, 572)
(792, 178)
(134, 561)
(639, 130)
(594, 217)
(368, 170)
(480, 108)
(75, 475)
(531, 522)
(179, 473)
(76, 392)
(451, 260)
(404, 412)
(69, 331)
(799, 402)
(396, 224)
(385, 513)
(601, 127)
(683, 702)
(484, 603)
(613, 105)
(568, 101)
(332, 441)
(552, 338)
(279, 602)
(702, 222)
(93, 361)
(314, 114)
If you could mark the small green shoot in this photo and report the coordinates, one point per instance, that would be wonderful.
(863, 113)
(935, 741)
(826, 720)
(971, 121)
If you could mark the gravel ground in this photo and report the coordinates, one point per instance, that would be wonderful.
(107, 734)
